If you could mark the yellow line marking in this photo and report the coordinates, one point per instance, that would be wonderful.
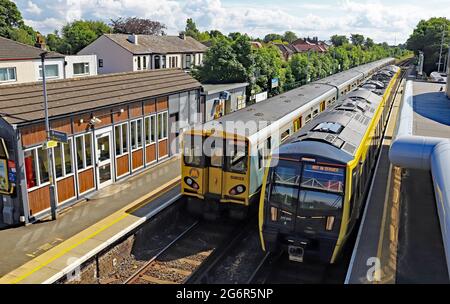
(171, 184)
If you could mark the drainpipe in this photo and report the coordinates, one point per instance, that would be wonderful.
(425, 153)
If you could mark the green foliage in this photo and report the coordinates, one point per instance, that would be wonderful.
(80, 33)
(269, 65)
(221, 64)
(369, 43)
(426, 37)
(357, 39)
(191, 29)
(12, 25)
(271, 37)
(339, 40)
(290, 37)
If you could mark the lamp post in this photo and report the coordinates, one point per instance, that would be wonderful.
(51, 174)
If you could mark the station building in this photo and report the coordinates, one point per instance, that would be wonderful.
(117, 125)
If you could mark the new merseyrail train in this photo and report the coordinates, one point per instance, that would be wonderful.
(312, 198)
(223, 160)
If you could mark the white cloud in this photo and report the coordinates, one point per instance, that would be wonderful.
(32, 8)
(381, 20)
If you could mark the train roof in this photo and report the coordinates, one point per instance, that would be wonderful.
(273, 109)
(338, 131)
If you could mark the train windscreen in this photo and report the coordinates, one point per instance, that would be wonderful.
(237, 156)
(193, 151)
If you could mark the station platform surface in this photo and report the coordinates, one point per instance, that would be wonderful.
(399, 240)
(45, 251)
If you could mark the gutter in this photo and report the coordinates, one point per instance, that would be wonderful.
(425, 153)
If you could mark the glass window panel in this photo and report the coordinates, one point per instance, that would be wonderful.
(88, 148)
(315, 200)
(7, 74)
(50, 70)
(118, 139)
(133, 135)
(3, 74)
(68, 157)
(147, 130)
(323, 177)
(81, 68)
(30, 168)
(43, 166)
(160, 126)
(153, 128)
(139, 133)
(166, 123)
(285, 196)
(125, 138)
(80, 156)
(58, 161)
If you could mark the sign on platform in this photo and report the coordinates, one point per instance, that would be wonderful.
(58, 136)
(49, 144)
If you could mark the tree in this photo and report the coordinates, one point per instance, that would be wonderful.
(290, 37)
(134, 25)
(269, 65)
(220, 64)
(357, 39)
(369, 43)
(216, 34)
(12, 25)
(426, 37)
(191, 29)
(79, 34)
(271, 37)
(339, 40)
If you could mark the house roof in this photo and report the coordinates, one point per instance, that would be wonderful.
(23, 103)
(13, 50)
(158, 44)
(210, 89)
(285, 48)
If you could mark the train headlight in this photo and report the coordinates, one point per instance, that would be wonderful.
(191, 183)
(330, 223)
(239, 189)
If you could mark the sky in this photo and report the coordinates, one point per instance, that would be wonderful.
(390, 21)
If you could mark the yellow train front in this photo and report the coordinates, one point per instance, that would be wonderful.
(314, 189)
(215, 173)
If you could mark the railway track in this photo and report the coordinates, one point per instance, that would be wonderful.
(178, 261)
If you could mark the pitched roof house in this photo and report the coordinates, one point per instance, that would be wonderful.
(122, 53)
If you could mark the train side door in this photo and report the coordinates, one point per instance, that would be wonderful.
(216, 164)
(322, 106)
(298, 124)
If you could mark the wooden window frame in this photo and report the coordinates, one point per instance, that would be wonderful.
(85, 167)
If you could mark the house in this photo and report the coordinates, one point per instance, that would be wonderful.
(221, 99)
(116, 125)
(256, 44)
(286, 50)
(127, 53)
(21, 63)
(307, 44)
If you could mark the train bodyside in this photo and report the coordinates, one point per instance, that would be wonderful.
(213, 187)
(330, 161)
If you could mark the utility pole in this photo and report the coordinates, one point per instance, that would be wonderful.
(440, 52)
(51, 172)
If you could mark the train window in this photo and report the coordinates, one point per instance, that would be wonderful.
(217, 153)
(260, 158)
(285, 135)
(286, 179)
(237, 156)
(323, 178)
(316, 112)
(192, 152)
(286, 197)
(315, 200)
(308, 118)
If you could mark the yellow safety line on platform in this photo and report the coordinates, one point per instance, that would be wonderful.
(171, 184)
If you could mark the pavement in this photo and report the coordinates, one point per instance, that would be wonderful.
(44, 250)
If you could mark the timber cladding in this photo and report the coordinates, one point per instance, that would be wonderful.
(39, 199)
(150, 153)
(162, 103)
(136, 109)
(138, 159)
(122, 165)
(66, 189)
(150, 106)
(162, 148)
(86, 180)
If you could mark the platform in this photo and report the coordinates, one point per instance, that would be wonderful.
(399, 240)
(45, 251)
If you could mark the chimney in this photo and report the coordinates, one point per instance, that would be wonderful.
(133, 39)
(40, 42)
(182, 35)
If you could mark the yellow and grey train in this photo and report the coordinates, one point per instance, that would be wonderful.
(314, 188)
(223, 160)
